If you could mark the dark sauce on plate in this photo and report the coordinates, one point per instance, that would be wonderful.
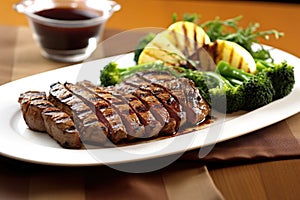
(204, 124)
(66, 38)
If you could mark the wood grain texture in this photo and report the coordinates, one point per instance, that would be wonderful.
(267, 180)
(8, 43)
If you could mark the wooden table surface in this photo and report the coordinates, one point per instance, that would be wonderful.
(265, 180)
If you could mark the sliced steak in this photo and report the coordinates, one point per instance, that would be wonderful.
(91, 130)
(61, 127)
(184, 89)
(32, 104)
(154, 105)
(152, 126)
(134, 127)
(103, 109)
(169, 101)
(41, 115)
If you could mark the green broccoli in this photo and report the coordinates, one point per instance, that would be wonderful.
(228, 98)
(111, 74)
(141, 45)
(218, 92)
(258, 88)
(281, 75)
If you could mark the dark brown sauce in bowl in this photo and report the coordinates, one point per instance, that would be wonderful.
(68, 37)
(67, 30)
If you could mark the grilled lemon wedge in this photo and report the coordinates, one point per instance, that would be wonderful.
(184, 42)
(233, 53)
(175, 45)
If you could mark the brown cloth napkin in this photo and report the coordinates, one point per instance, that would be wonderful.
(278, 141)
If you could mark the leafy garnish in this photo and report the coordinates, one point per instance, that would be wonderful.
(230, 30)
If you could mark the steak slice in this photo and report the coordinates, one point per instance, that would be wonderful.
(61, 127)
(130, 119)
(153, 105)
(32, 104)
(152, 126)
(103, 109)
(169, 101)
(91, 130)
(184, 89)
(41, 115)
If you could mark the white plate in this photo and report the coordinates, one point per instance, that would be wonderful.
(18, 142)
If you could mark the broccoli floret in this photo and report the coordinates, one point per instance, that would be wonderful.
(111, 74)
(141, 45)
(258, 88)
(227, 98)
(281, 75)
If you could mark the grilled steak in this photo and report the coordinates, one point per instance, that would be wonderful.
(61, 127)
(32, 104)
(146, 105)
(103, 109)
(41, 115)
(152, 126)
(184, 89)
(154, 105)
(91, 130)
(130, 119)
(169, 101)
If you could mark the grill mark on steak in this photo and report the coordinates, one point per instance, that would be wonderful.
(39, 112)
(184, 89)
(91, 130)
(61, 127)
(32, 104)
(154, 105)
(152, 126)
(103, 109)
(132, 123)
(169, 101)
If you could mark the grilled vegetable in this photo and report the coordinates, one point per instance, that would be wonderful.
(258, 88)
(188, 37)
(230, 30)
(161, 48)
(227, 98)
(141, 45)
(281, 75)
(174, 45)
(234, 54)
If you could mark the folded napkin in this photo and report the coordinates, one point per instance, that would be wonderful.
(278, 141)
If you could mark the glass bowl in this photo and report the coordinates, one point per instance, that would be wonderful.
(67, 30)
